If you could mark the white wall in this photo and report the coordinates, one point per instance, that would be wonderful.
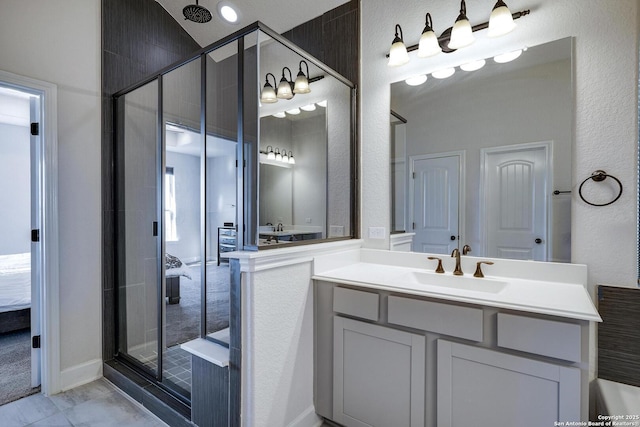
(15, 181)
(58, 41)
(606, 108)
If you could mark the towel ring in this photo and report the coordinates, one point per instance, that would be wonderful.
(599, 176)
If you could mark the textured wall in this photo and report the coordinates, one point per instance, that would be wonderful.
(605, 118)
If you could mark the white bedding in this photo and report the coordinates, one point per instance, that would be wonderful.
(15, 282)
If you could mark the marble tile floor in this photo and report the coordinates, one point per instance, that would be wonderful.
(96, 404)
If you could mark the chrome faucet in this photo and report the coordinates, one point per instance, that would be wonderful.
(458, 270)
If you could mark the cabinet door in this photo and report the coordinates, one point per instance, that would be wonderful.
(378, 377)
(483, 387)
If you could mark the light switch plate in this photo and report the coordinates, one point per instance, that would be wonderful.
(377, 232)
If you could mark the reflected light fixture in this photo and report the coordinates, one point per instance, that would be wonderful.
(444, 73)
(285, 157)
(322, 104)
(285, 87)
(268, 94)
(270, 154)
(292, 161)
(500, 21)
(461, 34)
(507, 57)
(474, 65)
(428, 45)
(398, 54)
(310, 107)
(302, 81)
(280, 115)
(294, 111)
(278, 155)
(416, 80)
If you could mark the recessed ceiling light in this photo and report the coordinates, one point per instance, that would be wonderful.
(310, 107)
(294, 111)
(443, 74)
(473, 66)
(228, 12)
(416, 80)
(507, 57)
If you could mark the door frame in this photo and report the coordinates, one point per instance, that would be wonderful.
(461, 154)
(484, 153)
(49, 283)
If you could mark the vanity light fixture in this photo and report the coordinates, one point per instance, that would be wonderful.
(474, 65)
(416, 80)
(285, 157)
(278, 155)
(398, 54)
(302, 82)
(462, 33)
(285, 87)
(270, 154)
(310, 107)
(500, 21)
(294, 111)
(444, 73)
(455, 37)
(428, 45)
(268, 94)
(507, 57)
(322, 103)
(292, 161)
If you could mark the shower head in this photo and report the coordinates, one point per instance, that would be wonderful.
(196, 13)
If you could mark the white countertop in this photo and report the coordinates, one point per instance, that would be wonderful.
(567, 298)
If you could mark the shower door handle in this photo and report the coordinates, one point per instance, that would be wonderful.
(155, 228)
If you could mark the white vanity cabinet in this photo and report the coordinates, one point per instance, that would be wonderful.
(378, 377)
(387, 359)
(482, 387)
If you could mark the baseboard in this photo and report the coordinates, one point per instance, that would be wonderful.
(80, 374)
(308, 418)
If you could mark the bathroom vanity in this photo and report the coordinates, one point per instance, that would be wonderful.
(399, 345)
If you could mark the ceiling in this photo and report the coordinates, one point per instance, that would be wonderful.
(269, 12)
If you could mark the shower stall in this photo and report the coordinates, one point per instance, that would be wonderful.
(206, 163)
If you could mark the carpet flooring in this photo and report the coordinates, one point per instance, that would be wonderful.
(183, 319)
(15, 366)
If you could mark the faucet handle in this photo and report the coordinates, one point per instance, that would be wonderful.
(466, 249)
(478, 272)
(439, 268)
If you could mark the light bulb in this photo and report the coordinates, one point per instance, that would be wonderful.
(398, 54)
(428, 45)
(461, 34)
(500, 21)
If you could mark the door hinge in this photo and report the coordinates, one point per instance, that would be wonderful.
(413, 225)
(35, 129)
(35, 341)
(35, 235)
(413, 175)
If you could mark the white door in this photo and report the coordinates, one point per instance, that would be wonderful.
(36, 177)
(515, 202)
(436, 186)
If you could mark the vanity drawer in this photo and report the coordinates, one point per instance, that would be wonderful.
(446, 319)
(540, 336)
(356, 303)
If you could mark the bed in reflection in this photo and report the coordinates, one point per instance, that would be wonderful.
(15, 292)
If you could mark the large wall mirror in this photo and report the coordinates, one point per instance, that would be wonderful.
(485, 157)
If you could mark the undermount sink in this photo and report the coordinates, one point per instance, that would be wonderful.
(457, 282)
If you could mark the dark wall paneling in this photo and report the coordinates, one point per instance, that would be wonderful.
(210, 394)
(619, 334)
(139, 38)
(333, 38)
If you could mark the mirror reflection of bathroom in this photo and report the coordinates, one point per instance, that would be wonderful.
(292, 202)
(485, 151)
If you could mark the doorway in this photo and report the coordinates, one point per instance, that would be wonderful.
(514, 209)
(437, 201)
(20, 251)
